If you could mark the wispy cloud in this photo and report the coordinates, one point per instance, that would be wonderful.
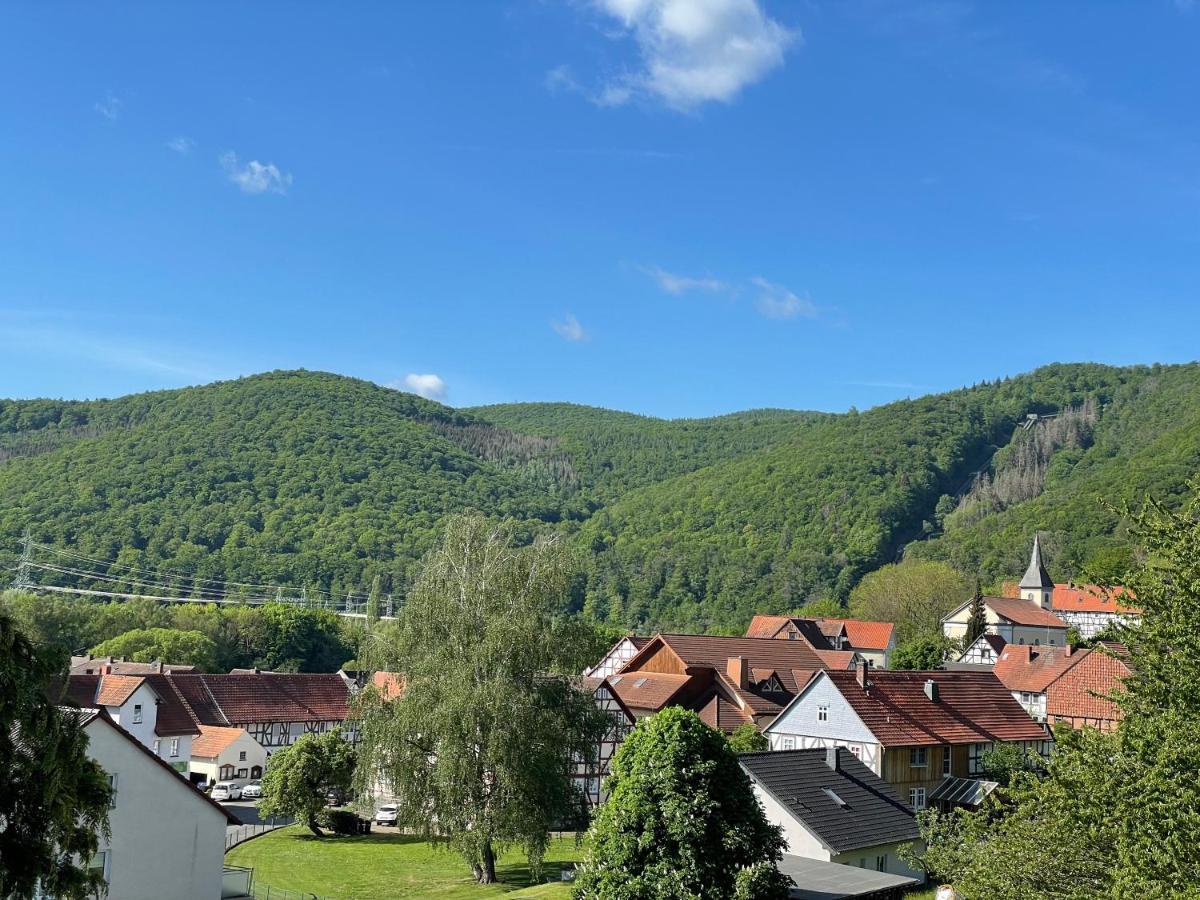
(678, 285)
(694, 51)
(181, 145)
(777, 302)
(570, 329)
(561, 79)
(109, 107)
(429, 386)
(254, 177)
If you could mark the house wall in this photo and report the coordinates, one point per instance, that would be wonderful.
(1090, 624)
(166, 839)
(979, 653)
(1032, 702)
(800, 725)
(123, 715)
(800, 841)
(866, 858)
(276, 735)
(955, 626)
(256, 755)
(662, 660)
(180, 760)
(616, 657)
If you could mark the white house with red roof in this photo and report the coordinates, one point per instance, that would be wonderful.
(913, 729)
(227, 754)
(873, 641)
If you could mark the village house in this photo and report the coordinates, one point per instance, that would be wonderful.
(1026, 619)
(873, 641)
(226, 754)
(165, 837)
(985, 650)
(93, 665)
(1028, 672)
(619, 654)
(1079, 698)
(1088, 608)
(728, 681)
(833, 808)
(913, 729)
(589, 774)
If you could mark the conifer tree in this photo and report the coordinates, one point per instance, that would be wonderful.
(977, 622)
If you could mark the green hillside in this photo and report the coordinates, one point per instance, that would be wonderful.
(327, 482)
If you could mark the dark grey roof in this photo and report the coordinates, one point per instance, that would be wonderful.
(801, 781)
(1036, 575)
(820, 880)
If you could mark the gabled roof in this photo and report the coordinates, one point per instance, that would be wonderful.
(1091, 598)
(646, 690)
(972, 707)
(837, 659)
(716, 711)
(1036, 577)
(1023, 612)
(265, 697)
(174, 716)
(864, 635)
(1021, 667)
(802, 782)
(214, 739)
(715, 652)
(1083, 690)
(97, 665)
(114, 690)
(763, 626)
(88, 717)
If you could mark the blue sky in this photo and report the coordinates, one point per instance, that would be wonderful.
(677, 207)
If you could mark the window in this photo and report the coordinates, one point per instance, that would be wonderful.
(832, 795)
(112, 784)
(946, 760)
(1021, 641)
(1037, 642)
(241, 756)
(975, 758)
(881, 863)
(100, 863)
(916, 798)
(792, 635)
(856, 750)
(137, 713)
(285, 733)
(261, 732)
(157, 744)
(174, 747)
(823, 712)
(789, 743)
(918, 757)
(226, 773)
(986, 653)
(242, 773)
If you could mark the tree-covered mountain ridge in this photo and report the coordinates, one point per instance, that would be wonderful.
(319, 480)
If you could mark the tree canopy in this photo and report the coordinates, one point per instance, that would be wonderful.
(167, 644)
(302, 774)
(479, 745)
(54, 799)
(681, 821)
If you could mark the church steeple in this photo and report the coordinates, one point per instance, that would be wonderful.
(1037, 585)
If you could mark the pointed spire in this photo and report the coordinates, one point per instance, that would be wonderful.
(1036, 576)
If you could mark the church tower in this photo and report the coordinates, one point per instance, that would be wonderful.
(1037, 586)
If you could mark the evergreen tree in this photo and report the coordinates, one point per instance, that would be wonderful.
(374, 599)
(478, 748)
(54, 799)
(977, 622)
(681, 821)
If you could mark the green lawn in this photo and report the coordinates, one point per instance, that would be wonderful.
(378, 865)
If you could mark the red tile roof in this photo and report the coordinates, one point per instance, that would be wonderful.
(1023, 612)
(389, 684)
(174, 717)
(836, 659)
(864, 635)
(1075, 694)
(715, 652)
(646, 690)
(1021, 667)
(214, 739)
(972, 707)
(1090, 598)
(116, 689)
(763, 626)
(265, 697)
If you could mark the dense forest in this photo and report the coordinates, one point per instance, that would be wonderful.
(329, 484)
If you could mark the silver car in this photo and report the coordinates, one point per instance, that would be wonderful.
(252, 791)
(386, 814)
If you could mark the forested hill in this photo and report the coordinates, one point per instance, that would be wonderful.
(323, 481)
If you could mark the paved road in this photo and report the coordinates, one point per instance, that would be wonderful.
(246, 812)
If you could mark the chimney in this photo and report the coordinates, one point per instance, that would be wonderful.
(831, 757)
(738, 670)
(931, 689)
(860, 673)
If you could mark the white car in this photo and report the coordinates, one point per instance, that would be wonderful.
(226, 790)
(386, 815)
(252, 791)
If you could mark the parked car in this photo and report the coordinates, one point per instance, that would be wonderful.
(386, 815)
(252, 791)
(335, 797)
(226, 790)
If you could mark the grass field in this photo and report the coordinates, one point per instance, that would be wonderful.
(385, 865)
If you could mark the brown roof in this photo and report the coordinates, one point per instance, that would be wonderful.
(766, 626)
(213, 739)
(836, 659)
(715, 652)
(97, 665)
(718, 712)
(1021, 667)
(1023, 612)
(865, 635)
(116, 689)
(646, 690)
(174, 717)
(265, 697)
(972, 707)
(1074, 695)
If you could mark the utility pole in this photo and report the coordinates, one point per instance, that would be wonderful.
(23, 581)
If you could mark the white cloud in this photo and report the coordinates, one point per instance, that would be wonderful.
(683, 284)
(109, 107)
(570, 329)
(777, 302)
(561, 79)
(695, 51)
(255, 177)
(431, 387)
(181, 145)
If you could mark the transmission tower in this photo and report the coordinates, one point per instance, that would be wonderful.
(23, 581)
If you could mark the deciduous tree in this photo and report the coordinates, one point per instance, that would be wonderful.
(300, 776)
(915, 594)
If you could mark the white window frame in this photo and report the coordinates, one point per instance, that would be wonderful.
(823, 712)
(881, 863)
(105, 864)
(947, 759)
(174, 747)
(916, 798)
(112, 783)
(789, 743)
(157, 746)
(137, 714)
